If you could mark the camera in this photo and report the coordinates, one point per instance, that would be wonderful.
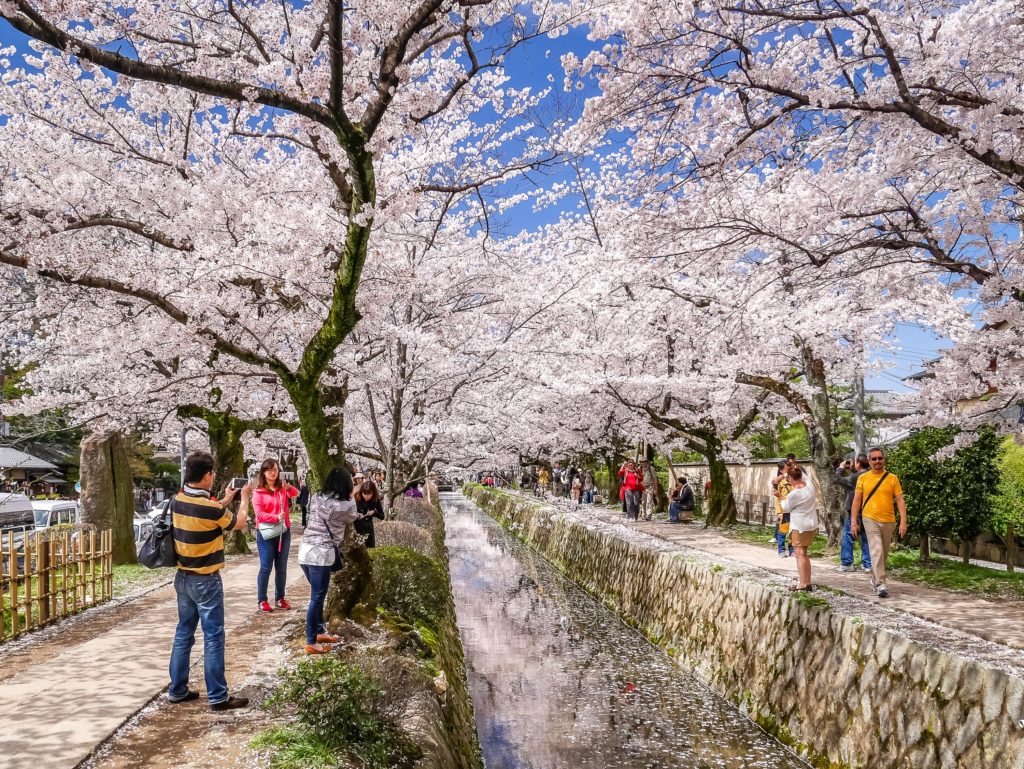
(239, 483)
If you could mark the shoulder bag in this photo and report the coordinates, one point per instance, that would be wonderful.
(158, 549)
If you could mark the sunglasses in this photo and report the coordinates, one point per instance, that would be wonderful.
(876, 459)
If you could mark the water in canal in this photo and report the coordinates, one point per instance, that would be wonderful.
(559, 681)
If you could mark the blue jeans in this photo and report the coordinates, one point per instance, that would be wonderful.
(846, 545)
(632, 500)
(319, 581)
(780, 540)
(673, 512)
(272, 558)
(200, 599)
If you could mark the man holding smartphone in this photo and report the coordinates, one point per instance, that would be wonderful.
(199, 523)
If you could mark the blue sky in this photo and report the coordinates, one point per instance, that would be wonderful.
(540, 60)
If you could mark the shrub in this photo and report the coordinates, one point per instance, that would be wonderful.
(409, 584)
(405, 534)
(337, 704)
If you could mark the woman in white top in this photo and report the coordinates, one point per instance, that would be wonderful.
(802, 505)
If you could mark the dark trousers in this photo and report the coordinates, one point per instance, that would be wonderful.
(319, 581)
(273, 555)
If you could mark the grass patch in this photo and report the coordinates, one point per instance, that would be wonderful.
(132, 576)
(904, 564)
(294, 748)
(806, 599)
(764, 536)
(948, 574)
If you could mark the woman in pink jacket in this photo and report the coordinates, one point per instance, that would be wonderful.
(271, 499)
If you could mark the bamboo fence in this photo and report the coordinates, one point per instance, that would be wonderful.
(47, 576)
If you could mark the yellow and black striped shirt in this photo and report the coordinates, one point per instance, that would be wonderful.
(199, 526)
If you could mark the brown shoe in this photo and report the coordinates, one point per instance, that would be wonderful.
(316, 649)
(327, 638)
(231, 703)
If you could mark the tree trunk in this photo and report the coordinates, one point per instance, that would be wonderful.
(966, 548)
(721, 502)
(107, 491)
(926, 550)
(1011, 548)
(613, 479)
(225, 433)
(823, 450)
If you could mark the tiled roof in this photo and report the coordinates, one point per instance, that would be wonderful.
(11, 458)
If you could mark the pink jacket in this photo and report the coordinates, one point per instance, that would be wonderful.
(271, 505)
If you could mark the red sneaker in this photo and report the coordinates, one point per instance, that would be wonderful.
(282, 604)
(265, 606)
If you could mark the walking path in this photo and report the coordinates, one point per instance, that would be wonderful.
(1001, 622)
(56, 712)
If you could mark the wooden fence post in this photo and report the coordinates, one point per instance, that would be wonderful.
(28, 579)
(12, 573)
(43, 570)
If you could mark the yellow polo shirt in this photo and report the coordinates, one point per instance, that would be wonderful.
(880, 506)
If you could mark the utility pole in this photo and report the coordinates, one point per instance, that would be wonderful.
(183, 450)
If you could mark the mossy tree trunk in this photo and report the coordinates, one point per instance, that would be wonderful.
(1011, 548)
(225, 431)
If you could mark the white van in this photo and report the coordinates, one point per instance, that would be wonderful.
(16, 518)
(53, 512)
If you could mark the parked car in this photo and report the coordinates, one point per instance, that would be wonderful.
(155, 514)
(53, 512)
(143, 528)
(16, 519)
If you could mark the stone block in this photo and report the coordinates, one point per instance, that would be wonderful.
(968, 732)
(993, 694)
(898, 653)
(935, 668)
(951, 677)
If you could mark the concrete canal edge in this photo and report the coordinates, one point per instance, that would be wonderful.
(841, 692)
(452, 731)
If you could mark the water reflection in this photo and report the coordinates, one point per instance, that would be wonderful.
(558, 681)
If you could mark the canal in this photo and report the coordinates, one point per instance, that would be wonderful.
(558, 681)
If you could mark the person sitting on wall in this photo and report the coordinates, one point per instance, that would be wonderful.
(680, 509)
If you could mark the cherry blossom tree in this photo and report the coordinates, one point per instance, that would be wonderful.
(243, 157)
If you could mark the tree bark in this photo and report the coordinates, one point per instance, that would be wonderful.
(1011, 548)
(823, 448)
(613, 479)
(225, 433)
(107, 491)
(721, 502)
(926, 550)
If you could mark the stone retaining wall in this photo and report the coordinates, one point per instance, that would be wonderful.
(841, 692)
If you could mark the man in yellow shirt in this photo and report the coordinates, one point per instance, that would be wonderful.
(877, 491)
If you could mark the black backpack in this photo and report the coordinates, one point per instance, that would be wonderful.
(158, 549)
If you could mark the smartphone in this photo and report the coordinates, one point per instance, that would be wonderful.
(239, 483)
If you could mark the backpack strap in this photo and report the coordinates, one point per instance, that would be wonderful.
(880, 482)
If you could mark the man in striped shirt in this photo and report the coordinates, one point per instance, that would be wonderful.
(199, 524)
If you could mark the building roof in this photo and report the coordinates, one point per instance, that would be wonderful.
(11, 458)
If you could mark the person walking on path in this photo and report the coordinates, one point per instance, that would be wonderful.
(781, 486)
(847, 478)
(650, 482)
(320, 551)
(198, 523)
(632, 488)
(877, 491)
(271, 500)
(801, 504)
(577, 489)
(588, 488)
(369, 506)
